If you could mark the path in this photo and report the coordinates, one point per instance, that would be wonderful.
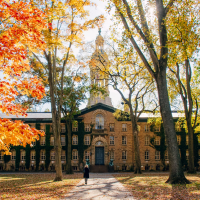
(100, 186)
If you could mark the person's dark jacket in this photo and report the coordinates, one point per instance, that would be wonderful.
(86, 172)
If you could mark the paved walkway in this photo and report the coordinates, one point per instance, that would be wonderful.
(100, 186)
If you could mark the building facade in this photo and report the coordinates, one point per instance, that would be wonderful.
(97, 136)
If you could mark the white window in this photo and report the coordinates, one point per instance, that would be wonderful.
(42, 141)
(187, 154)
(147, 140)
(112, 127)
(112, 140)
(33, 143)
(157, 140)
(157, 155)
(32, 155)
(43, 155)
(178, 139)
(75, 155)
(87, 155)
(75, 139)
(87, 127)
(157, 129)
(1, 155)
(63, 128)
(99, 121)
(146, 155)
(87, 140)
(112, 155)
(63, 157)
(52, 155)
(146, 128)
(52, 140)
(75, 126)
(63, 140)
(124, 127)
(43, 127)
(123, 155)
(166, 155)
(23, 155)
(124, 140)
(13, 156)
(187, 140)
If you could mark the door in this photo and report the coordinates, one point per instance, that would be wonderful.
(99, 155)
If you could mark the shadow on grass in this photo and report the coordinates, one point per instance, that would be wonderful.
(147, 186)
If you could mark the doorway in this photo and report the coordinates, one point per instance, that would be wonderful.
(99, 155)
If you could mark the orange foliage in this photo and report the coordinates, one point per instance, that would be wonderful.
(20, 30)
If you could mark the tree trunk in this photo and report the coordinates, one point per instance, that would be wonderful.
(136, 144)
(69, 149)
(176, 175)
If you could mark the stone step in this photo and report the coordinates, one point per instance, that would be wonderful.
(98, 168)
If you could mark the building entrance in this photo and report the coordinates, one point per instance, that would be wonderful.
(99, 155)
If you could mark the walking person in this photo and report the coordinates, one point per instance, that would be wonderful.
(86, 173)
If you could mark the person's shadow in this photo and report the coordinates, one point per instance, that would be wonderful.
(180, 192)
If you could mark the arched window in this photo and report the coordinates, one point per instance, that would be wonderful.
(99, 122)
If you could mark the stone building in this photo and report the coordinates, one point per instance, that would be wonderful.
(97, 136)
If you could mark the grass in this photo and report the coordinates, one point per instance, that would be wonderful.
(153, 186)
(36, 186)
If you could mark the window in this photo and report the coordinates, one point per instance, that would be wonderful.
(178, 139)
(124, 127)
(75, 139)
(51, 128)
(43, 127)
(33, 143)
(146, 155)
(187, 141)
(42, 141)
(87, 140)
(23, 155)
(75, 126)
(1, 155)
(157, 155)
(87, 127)
(166, 155)
(112, 142)
(198, 138)
(63, 157)
(52, 140)
(146, 128)
(87, 155)
(124, 140)
(13, 156)
(43, 155)
(123, 155)
(157, 140)
(166, 141)
(32, 155)
(99, 121)
(52, 155)
(187, 154)
(75, 155)
(62, 140)
(157, 128)
(112, 127)
(178, 128)
(147, 140)
(63, 128)
(32, 125)
(112, 156)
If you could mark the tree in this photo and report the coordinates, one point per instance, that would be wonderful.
(183, 45)
(149, 36)
(20, 26)
(125, 74)
(67, 22)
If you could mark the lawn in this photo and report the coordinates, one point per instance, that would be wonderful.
(36, 186)
(153, 186)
